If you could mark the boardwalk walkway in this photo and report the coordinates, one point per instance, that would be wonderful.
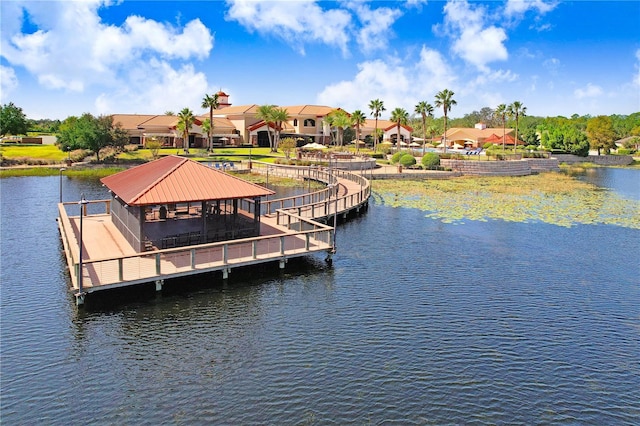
(290, 227)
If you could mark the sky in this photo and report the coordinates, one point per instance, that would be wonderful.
(64, 58)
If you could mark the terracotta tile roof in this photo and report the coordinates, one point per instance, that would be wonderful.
(312, 110)
(286, 127)
(237, 110)
(130, 121)
(145, 121)
(174, 179)
(508, 139)
(394, 125)
(470, 133)
(219, 124)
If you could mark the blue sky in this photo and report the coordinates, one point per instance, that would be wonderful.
(62, 58)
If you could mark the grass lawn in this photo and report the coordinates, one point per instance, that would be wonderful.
(42, 152)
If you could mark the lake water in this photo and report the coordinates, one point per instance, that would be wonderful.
(416, 322)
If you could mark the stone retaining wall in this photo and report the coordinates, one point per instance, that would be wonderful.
(488, 168)
(539, 165)
(601, 160)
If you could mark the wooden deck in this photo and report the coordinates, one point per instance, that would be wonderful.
(290, 227)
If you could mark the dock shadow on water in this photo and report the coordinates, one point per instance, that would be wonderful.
(202, 285)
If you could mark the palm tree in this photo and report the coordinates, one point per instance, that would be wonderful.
(445, 100)
(340, 120)
(501, 113)
(424, 109)
(212, 103)
(358, 119)
(401, 118)
(265, 113)
(185, 120)
(376, 106)
(516, 110)
(279, 116)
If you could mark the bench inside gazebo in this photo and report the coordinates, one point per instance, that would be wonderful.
(175, 202)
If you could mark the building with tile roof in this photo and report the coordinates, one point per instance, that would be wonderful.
(175, 201)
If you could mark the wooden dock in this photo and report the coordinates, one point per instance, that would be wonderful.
(289, 227)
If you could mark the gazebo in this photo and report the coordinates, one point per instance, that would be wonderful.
(174, 202)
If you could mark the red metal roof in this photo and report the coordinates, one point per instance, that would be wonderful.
(174, 179)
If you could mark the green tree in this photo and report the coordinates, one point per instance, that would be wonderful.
(358, 119)
(601, 134)
(210, 102)
(425, 110)
(12, 120)
(91, 133)
(515, 111)
(153, 145)
(119, 136)
(185, 121)
(340, 120)
(287, 145)
(445, 100)
(265, 113)
(279, 117)
(400, 117)
(501, 114)
(377, 107)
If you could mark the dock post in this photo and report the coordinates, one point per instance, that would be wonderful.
(159, 284)
(282, 263)
(80, 298)
(225, 273)
(329, 258)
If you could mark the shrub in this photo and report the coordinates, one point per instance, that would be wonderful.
(488, 145)
(396, 157)
(377, 156)
(407, 160)
(624, 151)
(430, 160)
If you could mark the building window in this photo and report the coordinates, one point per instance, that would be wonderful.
(309, 122)
(295, 121)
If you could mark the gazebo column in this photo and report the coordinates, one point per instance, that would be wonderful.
(142, 217)
(256, 215)
(203, 212)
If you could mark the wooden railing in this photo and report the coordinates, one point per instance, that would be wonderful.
(296, 213)
(316, 204)
(124, 270)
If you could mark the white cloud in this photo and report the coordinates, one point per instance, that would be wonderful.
(376, 29)
(156, 89)
(297, 22)
(474, 42)
(520, 7)
(72, 48)
(8, 82)
(552, 65)
(589, 91)
(397, 83)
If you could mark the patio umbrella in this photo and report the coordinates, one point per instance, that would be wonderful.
(314, 145)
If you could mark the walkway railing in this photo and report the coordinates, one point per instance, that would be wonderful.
(299, 214)
(318, 204)
(308, 236)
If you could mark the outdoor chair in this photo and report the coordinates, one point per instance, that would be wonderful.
(182, 240)
(194, 238)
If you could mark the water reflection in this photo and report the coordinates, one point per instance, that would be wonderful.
(622, 181)
(417, 321)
